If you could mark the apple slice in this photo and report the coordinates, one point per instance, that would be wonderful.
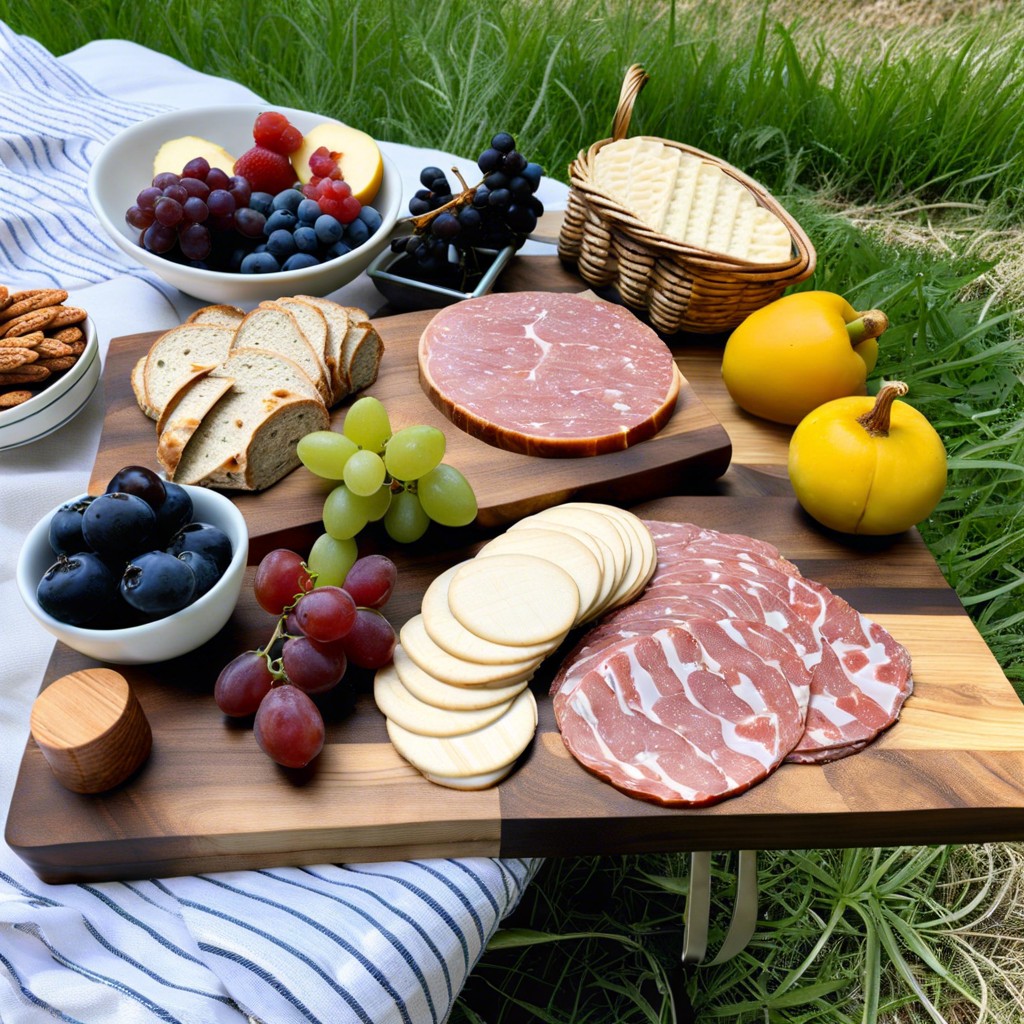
(357, 154)
(174, 154)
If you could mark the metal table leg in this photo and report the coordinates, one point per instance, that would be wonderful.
(698, 909)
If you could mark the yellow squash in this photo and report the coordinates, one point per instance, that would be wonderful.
(804, 349)
(867, 466)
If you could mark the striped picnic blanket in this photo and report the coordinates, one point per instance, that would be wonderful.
(376, 943)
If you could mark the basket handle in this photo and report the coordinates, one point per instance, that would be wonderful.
(635, 80)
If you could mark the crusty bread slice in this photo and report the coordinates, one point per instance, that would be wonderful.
(313, 325)
(362, 348)
(259, 367)
(337, 321)
(224, 315)
(138, 379)
(184, 412)
(247, 441)
(275, 328)
(362, 354)
(177, 354)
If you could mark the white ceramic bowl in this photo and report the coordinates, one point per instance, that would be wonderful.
(57, 403)
(125, 166)
(153, 641)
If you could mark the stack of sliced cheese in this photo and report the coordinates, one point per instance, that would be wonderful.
(456, 696)
(233, 392)
(690, 200)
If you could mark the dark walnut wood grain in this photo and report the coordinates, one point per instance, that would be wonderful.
(951, 770)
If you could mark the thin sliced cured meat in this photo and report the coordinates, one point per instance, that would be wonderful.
(549, 374)
(690, 714)
(860, 676)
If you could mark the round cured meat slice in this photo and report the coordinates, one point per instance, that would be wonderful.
(548, 374)
(689, 715)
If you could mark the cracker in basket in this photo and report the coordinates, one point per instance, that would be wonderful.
(690, 200)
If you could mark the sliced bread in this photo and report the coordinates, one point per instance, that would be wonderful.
(138, 379)
(361, 345)
(247, 441)
(184, 412)
(337, 322)
(313, 325)
(276, 329)
(224, 315)
(177, 354)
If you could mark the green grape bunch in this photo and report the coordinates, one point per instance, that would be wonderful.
(395, 476)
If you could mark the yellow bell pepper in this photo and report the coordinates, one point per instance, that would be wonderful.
(804, 349)
(867, 466)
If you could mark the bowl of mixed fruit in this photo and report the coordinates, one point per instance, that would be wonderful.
(243, 203)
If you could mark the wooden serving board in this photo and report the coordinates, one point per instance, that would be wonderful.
(693, 445)
(951, 770)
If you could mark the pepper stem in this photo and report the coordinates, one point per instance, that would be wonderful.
(871, 324)
(876, 420)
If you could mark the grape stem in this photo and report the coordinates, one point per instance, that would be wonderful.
(465, 196)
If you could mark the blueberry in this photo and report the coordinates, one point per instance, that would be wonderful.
(288, 200)
(77, 589)
(118, 523)
(357, 232)
(336, 250)
(157, 583)
(204, 568)
(305, 239)
(174, 513)
(65, 533)
(280, 219)
(259, 263)
(262, 202)
(281, 244)
(308, 211)
(370, 217)
(301, 261)
(203, 537)
(328, 229)
(140, 481)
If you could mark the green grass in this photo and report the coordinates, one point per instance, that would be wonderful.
(894, 133)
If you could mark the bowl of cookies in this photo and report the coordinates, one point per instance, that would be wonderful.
(49, 363)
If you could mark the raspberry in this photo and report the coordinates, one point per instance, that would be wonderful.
(324, 164)
(345, 210)
(274, 131)
(265, 170)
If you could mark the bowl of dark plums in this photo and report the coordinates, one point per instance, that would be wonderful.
(145, 572)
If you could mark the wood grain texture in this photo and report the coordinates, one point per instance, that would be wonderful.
(951, 770)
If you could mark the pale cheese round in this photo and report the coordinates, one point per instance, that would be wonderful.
(565, 550)
(494, 746)
(448, 633)
(457, 671)
(434, 691)
(400, 706)
(469, 782)
(642, 556)
(514, 599)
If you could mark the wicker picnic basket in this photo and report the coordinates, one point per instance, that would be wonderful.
(679, 287)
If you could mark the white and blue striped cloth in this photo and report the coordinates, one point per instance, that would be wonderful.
(374, 943)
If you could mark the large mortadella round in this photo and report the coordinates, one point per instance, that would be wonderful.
(548, 374)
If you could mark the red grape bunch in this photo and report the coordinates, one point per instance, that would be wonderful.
(320, 631)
